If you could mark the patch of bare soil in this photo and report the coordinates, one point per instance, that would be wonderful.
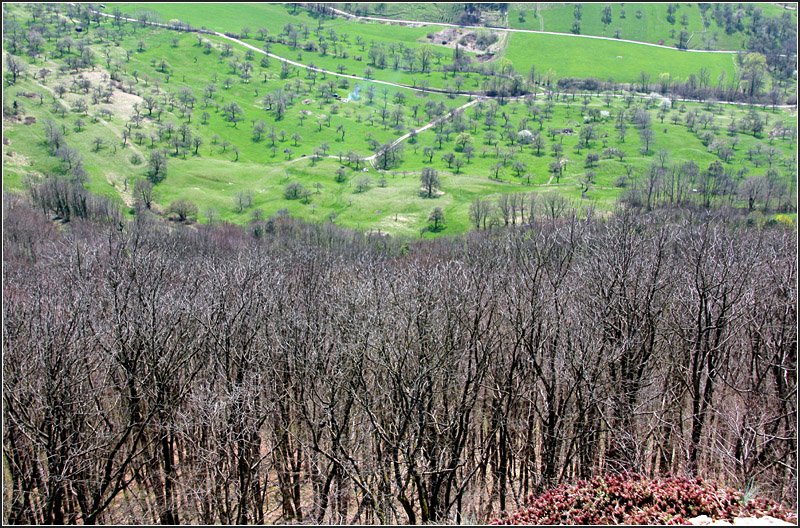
(15, 159)
(123, 187)
(121, 102)
(484, 43)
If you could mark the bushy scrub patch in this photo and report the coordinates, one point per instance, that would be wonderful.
(633, 499)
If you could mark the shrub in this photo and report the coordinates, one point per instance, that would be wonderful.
(293, 191)
(157, 167)
(485, 40)
(183, 210)
(632, 499)
(363, 184)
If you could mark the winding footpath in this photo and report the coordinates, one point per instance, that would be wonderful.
(433, 123)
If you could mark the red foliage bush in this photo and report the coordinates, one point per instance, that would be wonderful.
(632, 499)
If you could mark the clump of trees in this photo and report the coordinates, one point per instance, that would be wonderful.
(67, 199)
(295, 190)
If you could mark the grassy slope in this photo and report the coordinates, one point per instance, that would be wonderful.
(397, 208)
(196, 76)
(212, 180)
(676, 139)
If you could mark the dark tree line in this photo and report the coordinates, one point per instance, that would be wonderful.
(156, 374)
(697, 87)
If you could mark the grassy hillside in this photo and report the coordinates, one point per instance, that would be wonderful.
(479, 154)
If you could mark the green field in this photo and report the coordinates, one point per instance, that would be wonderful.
(605, 59)
(233, 17)
(230, 159)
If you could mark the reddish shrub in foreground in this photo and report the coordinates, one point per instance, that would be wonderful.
(632, 499)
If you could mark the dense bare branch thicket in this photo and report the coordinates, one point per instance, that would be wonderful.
(170, 374)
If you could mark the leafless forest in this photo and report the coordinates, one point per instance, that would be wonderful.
(155, 374)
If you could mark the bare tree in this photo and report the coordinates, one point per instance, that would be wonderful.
(430, 181)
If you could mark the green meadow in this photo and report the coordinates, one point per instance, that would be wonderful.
(605, 59)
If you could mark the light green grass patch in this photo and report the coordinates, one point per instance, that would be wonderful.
(604, 59)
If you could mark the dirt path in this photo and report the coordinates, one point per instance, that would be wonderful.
(435, 122)
(512, 30)
(404, 137)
